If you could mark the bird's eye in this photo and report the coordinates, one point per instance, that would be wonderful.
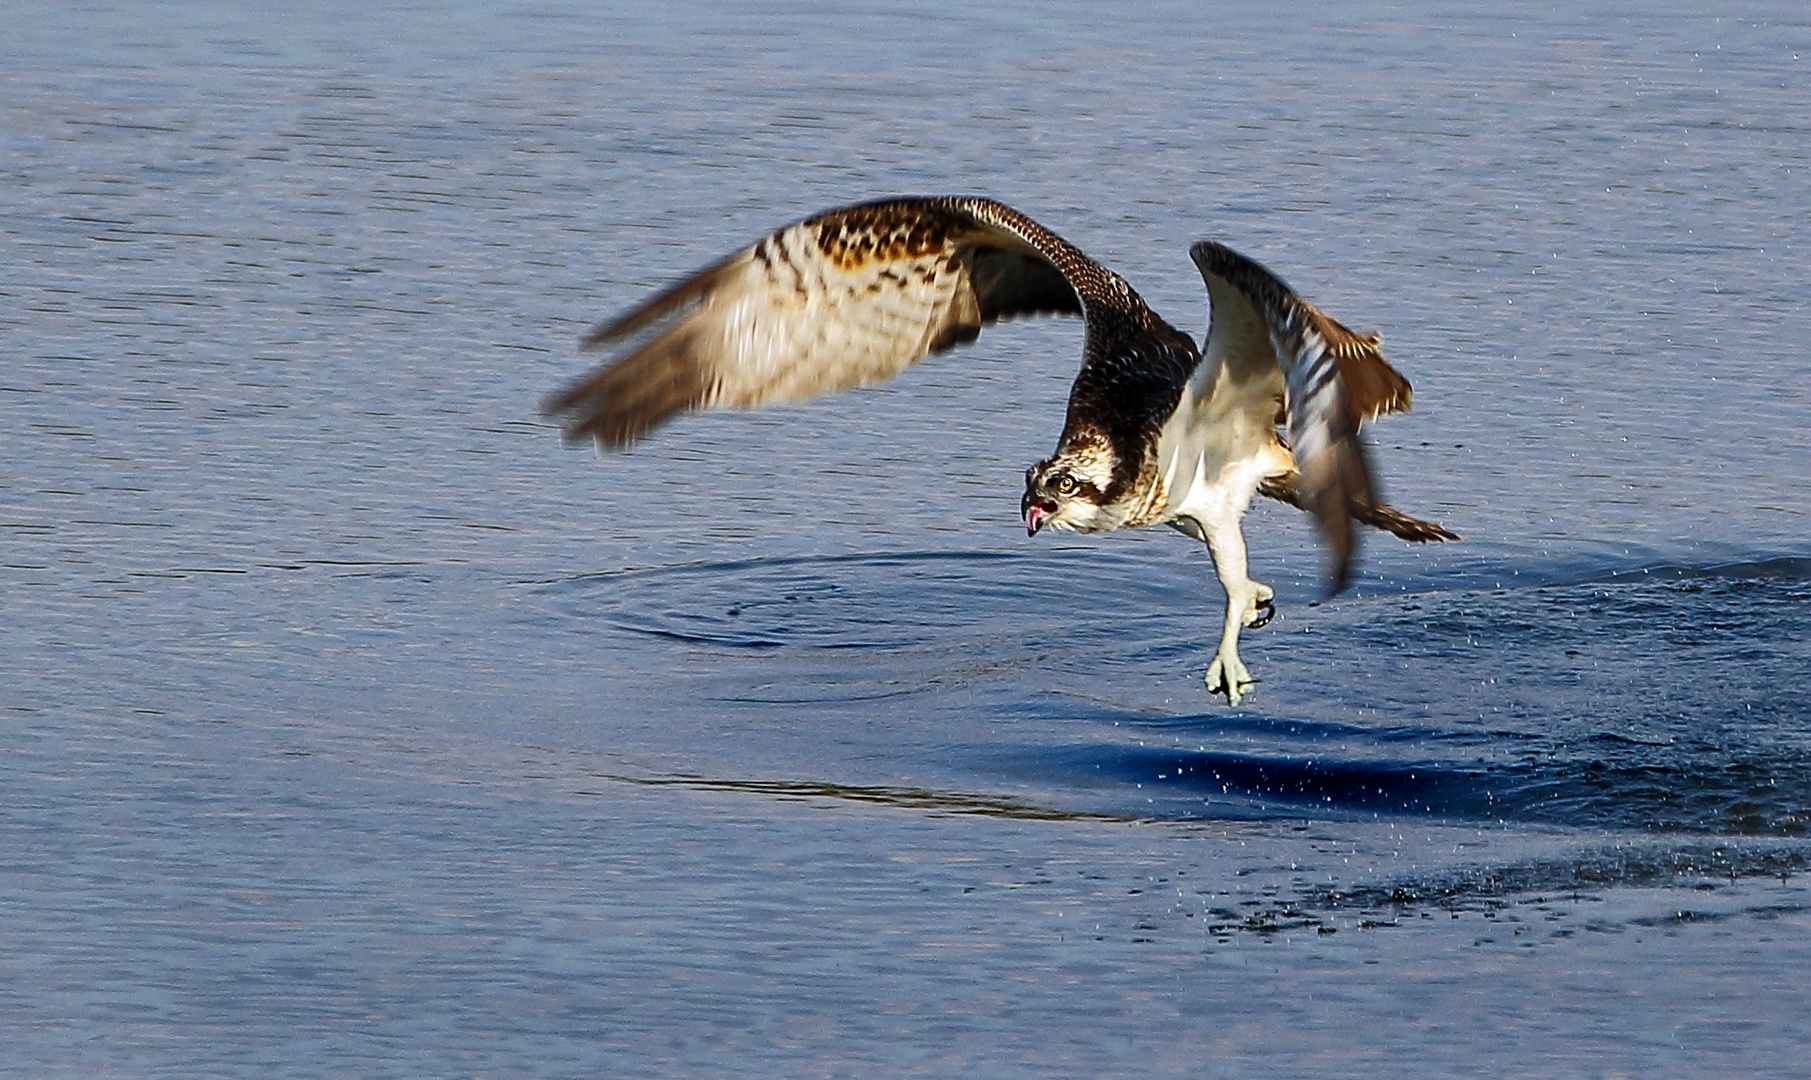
(1065, 484)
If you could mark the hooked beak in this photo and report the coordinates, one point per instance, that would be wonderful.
(1036, 511)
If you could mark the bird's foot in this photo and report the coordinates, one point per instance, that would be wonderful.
(1227, 675)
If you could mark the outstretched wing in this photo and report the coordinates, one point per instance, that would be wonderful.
(848, 297)
(1333, 380)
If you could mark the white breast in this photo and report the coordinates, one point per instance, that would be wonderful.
(1220, 442)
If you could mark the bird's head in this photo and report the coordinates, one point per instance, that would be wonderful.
(1067, 492)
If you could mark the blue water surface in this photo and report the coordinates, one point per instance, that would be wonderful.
(355, 727)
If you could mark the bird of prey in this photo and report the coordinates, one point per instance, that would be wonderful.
(1158, 431)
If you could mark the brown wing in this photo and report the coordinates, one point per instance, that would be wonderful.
(848, 297)
(1334, 380)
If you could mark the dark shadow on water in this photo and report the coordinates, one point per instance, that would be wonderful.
(1561, 887)
(1650, 699)
(1547, 899)
(1598, 867)
(1725, 798)
(911, 798)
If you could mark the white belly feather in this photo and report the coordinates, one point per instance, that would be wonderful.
(1217, 446)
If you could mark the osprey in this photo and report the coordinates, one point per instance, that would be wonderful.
(1158, 431)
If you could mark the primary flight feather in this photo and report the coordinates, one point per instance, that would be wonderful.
(1158, 431)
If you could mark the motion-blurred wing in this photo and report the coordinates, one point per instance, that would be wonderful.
(1333, 379)
(848, 297)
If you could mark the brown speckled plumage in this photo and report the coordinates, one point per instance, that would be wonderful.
(1157, 430)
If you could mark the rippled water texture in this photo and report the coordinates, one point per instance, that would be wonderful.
(354, 726)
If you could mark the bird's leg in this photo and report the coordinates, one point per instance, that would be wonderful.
(1247, 604)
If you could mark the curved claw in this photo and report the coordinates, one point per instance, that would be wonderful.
(1265, 611)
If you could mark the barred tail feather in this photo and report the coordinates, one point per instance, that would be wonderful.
(1375, 514)
(1391, 520)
